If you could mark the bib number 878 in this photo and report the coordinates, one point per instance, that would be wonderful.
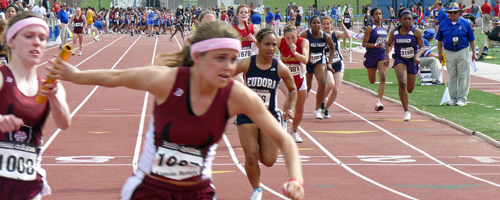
(13, 163)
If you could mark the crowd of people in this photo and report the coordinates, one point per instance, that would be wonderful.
(225, 42)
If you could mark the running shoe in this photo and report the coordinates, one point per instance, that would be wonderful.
(73, 53)
(461, 103)
(80, 53)
(323, 107)
(407, 116)
(451, 102)
(379, 106)
(317, 113)
(95, 38)
(257, 194)
(327, 115)
(296, 136)
(171, 40)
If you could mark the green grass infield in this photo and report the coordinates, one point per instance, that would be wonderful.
(482, 113)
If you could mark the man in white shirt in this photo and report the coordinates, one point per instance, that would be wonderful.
(301, 10)
(260, 10)
(40, 10)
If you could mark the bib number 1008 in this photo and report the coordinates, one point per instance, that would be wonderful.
(172, 161)
(17, 164)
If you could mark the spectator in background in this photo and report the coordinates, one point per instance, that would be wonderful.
(277, 15)
(493, 38)
(251, 6)
(441, 15)
(307, 14)
(62, 21)
(40, 10)
(301, 10)
(223, 16)
(255, 18)
(474, 9)
(429, 59)
(486, 11)
(298, 18)
(56, 7)
(496, 8)
(11, 11)
(217, 12)
(269, 17)
(456, 48)
(45, 4)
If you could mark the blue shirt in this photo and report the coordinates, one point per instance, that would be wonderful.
(98, 25)
(442, 15)
(255, 19)
(427, 48)
(277, 16)
(63, 16)
(269, 17)
(462, 29)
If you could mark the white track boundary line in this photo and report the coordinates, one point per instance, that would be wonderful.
(235, 160)
(415, 148)
(46, 145)
(140, 132)
(237, 163)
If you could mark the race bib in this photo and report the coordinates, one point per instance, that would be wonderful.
(244, 53)
(336, 57)
(177, 162)
(266, 97)
(17, 160)
(315, 57)
(407, 52)
(347, 20)
(381, 40)
(79, 24)
(294, 69)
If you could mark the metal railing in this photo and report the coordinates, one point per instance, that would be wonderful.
(53, 28)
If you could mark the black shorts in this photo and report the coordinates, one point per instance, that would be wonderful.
(338, 67)
(244, 119)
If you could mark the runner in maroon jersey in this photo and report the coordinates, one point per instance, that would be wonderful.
(198, 89)
(80, 24)
(21, 117)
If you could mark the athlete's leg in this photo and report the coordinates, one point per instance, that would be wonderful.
(249, 137)
(401, 71)
(337, 78)
(320, 74)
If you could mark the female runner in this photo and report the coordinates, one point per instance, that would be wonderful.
(318, 40)
(294, 53)
(21, 117)
(179, 25)
(335, 73)
(375, 41)
(80, 26)
(262, 74)
(407, 40)
(198, 89)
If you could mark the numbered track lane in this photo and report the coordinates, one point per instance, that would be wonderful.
(358, 154)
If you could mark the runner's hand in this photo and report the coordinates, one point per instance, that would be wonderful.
(293, 190)
(51, 89)
(250, 38)
(10, 123)
(386, 62)
(289, 114)
(380, 45)
(416, 60)
(293, 48)
(63, 71)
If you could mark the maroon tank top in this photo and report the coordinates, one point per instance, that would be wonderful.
(175, 122)
(13, 101)
(78, 22)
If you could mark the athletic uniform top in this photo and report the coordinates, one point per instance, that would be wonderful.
(347, 19)
(246, 44)
(265, 83)
(337, 56)
(21, 145)
(376, 36)
(296, 67)
(90, 17)
(316, 47)
(182, 139)
(78, 21)
(405, 46)
(4, 55)
(98, 25)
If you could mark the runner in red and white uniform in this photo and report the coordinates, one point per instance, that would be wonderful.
(197, 89)
(246, 35)
(21, 117)
(294, 52)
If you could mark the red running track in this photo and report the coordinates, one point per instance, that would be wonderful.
(358, 154)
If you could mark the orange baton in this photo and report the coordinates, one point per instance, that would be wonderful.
(65, 53)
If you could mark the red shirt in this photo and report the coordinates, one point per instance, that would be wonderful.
(496, 9)
(286, 54)
(223, 17)
(245, 41)
(486, 8)
(56, 8)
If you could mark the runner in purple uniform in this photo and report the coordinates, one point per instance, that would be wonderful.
(407, 40)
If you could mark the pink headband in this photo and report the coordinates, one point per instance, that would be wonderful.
(216, 43)
(25, 23)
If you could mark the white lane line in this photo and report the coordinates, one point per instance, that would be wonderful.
(417, 149)
(237, 163)
(70, 56)
(46, 145)
(135, 164)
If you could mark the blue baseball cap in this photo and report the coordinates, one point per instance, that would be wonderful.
(268, 7)
(428, 34)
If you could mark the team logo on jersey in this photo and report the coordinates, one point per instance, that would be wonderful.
(20, 136)
(9, 79)
(179, 92)
(273, 69)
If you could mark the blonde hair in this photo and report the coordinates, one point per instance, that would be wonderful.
(290, 28)
(207, 30)
(327, 18)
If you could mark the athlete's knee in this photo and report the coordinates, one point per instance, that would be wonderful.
(268, 161)
(402, 84)
(382, 77)
(252, 157)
